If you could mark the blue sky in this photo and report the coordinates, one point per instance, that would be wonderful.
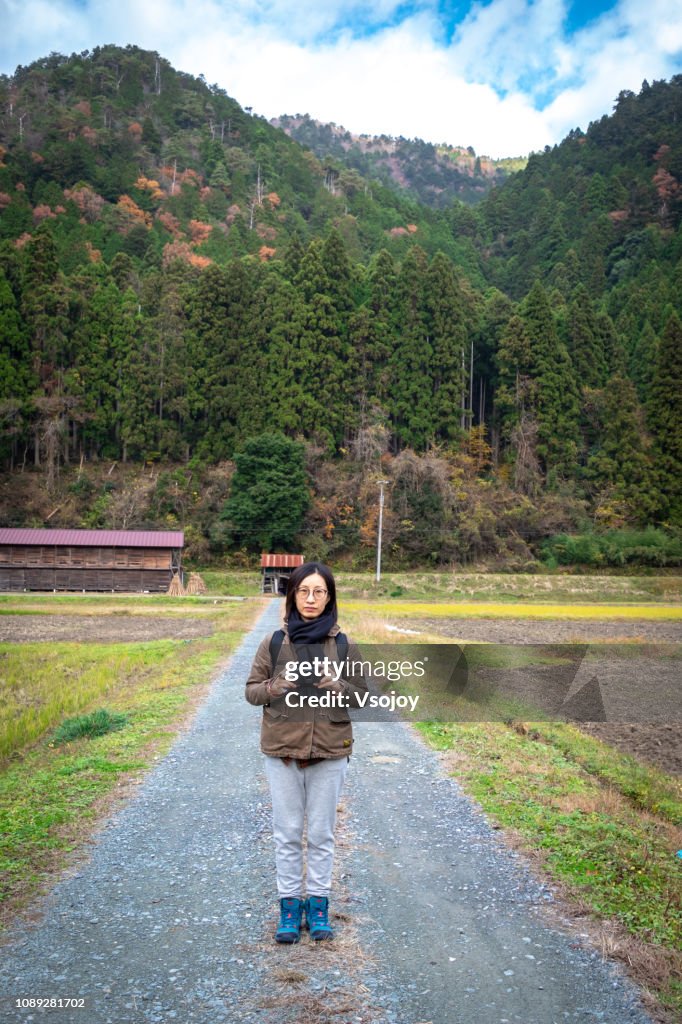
(504, 76)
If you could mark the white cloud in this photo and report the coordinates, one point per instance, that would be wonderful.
(505, 41)
(398, 83)
(281, 56)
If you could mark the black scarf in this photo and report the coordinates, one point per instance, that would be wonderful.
(310, 631)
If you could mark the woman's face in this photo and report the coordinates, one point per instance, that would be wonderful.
(311, 596)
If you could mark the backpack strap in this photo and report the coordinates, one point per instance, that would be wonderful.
(341, 646)
(277, 639)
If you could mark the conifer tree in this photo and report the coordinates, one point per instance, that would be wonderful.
(318, 355)
(17, 379)
(411, 361)
(557, 404)
(620, 467)
(221, 325)
(664, 418)
(369, 352)
(515, 394)
(612, 346)
(135, 418)
(450, 334)
(339, 274)
(585, 342)
(643, 358)
(293, 256)
(45, 301)
(16, 376)
(281, 390)
(98, 340)
(382, 283)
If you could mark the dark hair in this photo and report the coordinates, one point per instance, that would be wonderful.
(299, 575)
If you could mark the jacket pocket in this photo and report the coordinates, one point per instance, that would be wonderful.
(338, 715)
(275, 712)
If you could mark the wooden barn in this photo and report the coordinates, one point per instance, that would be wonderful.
(276, 570)
(108, 560)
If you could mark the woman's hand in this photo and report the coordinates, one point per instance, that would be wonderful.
(279, 686)
(330, 684)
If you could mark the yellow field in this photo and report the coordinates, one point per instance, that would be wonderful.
(482, 610)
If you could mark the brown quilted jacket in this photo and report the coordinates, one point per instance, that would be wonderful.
(301, 733)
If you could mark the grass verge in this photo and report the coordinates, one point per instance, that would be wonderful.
(52, 796)
(603, 826)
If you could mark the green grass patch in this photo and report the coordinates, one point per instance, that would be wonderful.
(97, 723)
(651, 790)
(42, 683)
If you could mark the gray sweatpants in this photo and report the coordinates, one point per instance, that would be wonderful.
(297, 793)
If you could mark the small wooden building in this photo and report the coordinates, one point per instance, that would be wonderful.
(276, 570)
(108, 560)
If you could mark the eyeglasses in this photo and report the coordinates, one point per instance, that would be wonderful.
(318, 593)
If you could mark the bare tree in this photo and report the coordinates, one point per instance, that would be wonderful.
(128, 507)
(370, 443)
(527, 473)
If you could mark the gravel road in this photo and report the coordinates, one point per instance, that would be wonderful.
(171, 917)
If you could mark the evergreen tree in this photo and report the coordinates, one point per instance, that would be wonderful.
(411, 362)
(450, 335)
(46, 306)
(664, 417)
(293, 256)
(585, 343)
(516, 390)
(138, 393)
(99, 341)
(222, 326)
(321, 357)
(339, 274)
(17, 379)
(282, 393)
(612, 346)
(557, 405)
(269, 494)
(16, 376)
(643, 359)
(369, 383)
(620, 468)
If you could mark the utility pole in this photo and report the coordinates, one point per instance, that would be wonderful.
(382, 484)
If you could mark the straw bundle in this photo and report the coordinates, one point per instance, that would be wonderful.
(195, 584)
(175, 588)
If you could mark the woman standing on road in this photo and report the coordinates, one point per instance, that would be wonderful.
(307, 746)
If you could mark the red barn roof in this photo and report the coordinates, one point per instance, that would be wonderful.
(280, 561)
(95, 538)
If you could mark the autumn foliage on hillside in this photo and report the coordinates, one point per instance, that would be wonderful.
(178, 277)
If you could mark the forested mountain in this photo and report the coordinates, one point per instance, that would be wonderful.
(434, 175)
(178, 277)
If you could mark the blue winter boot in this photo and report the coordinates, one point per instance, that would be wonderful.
(291, 910)
(316, 918)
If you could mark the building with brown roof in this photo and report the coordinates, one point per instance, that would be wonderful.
(120, 561)
(276, 570)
